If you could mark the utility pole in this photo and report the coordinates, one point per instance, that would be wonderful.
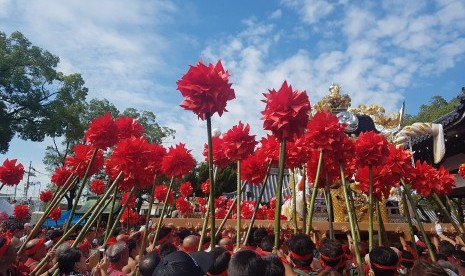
(26, 186)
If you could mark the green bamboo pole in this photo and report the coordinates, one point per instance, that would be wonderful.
(259, 200)
(314, 193)
(238, 205)
(304, 197)
(410, 224)
(163, 210)
(294, 203)
(277, 215)
(211, 201)
(112, 210)
(231, 208)
(446, 213)
(351, 219)
(370, 209)
(204, 229)
(147, 220)
(328, 207)
(380, 223)
(420, 224)
(81, 188)
(354, 215)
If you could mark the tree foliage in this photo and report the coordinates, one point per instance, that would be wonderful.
(437, 107)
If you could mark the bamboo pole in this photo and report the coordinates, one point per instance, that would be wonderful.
(238, 204)
(211, 201)
(163, 210)
(277, 215)
(370, 209)
(314, 193)
(223, 222)
(445, 212)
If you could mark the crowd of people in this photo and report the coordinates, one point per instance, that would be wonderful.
(174, 251)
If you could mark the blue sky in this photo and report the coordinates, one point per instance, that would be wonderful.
(133, 52)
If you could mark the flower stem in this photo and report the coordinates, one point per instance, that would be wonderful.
(211, 202)
(205, 222)
(163, 210)
(409, 220)
(380, 223)
(223, 222)
(239, 201)
(147, 219)
(314, 193)
(446, 213)
(81, 188)
(370, 209)
(304, 197)
(115, 223)
(279, 192)
(259, 200)
(112, 210)
(328, 200)
(294, 202)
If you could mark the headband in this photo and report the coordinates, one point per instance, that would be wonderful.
(326, 258)
(5, 246)
(402, 259)
(34, 249)
(262, 252)
(385, 267)
(300, 257)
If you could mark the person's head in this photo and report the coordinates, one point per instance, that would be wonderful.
(148, 263)
(383, 261)
(267, 243)
(459, 258)
(166, 249)
(70, 260)
(227, 244)
(301, 250)
(446, 248)
(246, 262)
(35, 249)
(221, 261)
(273, 266)
(250, 240)
(132, 247)
(449, 267)
(331, 253)
(17, 229)
(118, 254)
(180, 263)
(258, 235)
(7, 251)
(422, 268)
(190, 243)
(407, 259)
(55, 235)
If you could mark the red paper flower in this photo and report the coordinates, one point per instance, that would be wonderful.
(237, 143)
(157, 152)
(129, 216)
(160, 194)
(205, 89)
(399, 161)
(445, 182)
(270, 214)
(186, 189)
(46, 196)
(21, 212)
(286, 112)
(178, 161)
(128, 127)
(131, 200)
(60, 176)
(371, 149)
(219, 158)
(296, 153)
(247, 208)
(324, 132)
(383, 181)
(80, 161)
(462, 170)
(10, 173)
(220, 213)
(205, 187)
(97, 186)
(184, 206)
(102, 132)
(425, 176)
(202, 204)
(254, 169)
(273, 202)
(55, 214)
(220, 202)
(269, 148)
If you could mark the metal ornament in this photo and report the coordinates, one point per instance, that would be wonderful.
(349, 119)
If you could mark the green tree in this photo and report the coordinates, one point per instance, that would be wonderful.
(32, 92)
(437, 107)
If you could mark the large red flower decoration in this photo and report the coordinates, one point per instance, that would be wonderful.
(205, 89)
(462, 170)
(97, 186)
(202, 204)
(102, 132)
(238, 144)
(130, 200)
(186, 189)
(46, 196)
(160, 194)
(220, 213)
(60, 176)
(383, 181)
(10, 173)
(286, 112)
(21, 212)
(445, 182)
(81, 159)
(128, 127)
(324, 132)
(55, 214)
(269, 149)
(247, 208)
(184, 206)
(254, 169)
(425, 176)
(156, 154)
(296, 153)
(399, 161)
(129, 216)
(205, 187)
(178, 161)
(371, 149)
(219, 158)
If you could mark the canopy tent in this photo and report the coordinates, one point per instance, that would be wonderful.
(62, 220)
(92, 201)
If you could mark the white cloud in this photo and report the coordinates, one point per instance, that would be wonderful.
(276, 14)
(311, 11)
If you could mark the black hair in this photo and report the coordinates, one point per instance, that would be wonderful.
(246, 262)
(407, 255)
(273, 265)
(166, 248)
(267, 243)
(250, 237)
(15, 226)
(422, 268)
(132, 244)
(67, 259)
(258, 235)
(331, 249)
(182, 234)
(440, 256)
(446, 248)
(221, 260)
(301, 245)
(460, 255)
(385, 256)
(148, 263)
(55, 234)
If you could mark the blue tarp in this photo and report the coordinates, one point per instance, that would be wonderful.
(64, 217)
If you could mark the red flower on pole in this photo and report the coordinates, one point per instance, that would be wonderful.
(462, 170)
(286, 112)
(445, 182)
(10, 173)
(55, 214)
(399, 161)
(247, 208)
(219, 158)
(128, 127)
(425, 176)
(46, 196)
(269, 148)
(97, 186)
(324, 132)
(184, 206)
(273, 202)
(238, 144)
(297, 153)
(102, 132)
(186, 189)
(156, 154)
(60, 176)
(254, 169)
(220, 213)
(202, 204)
(129, 216)
(21, 211)
(178, 161)
(383, 181)
(160, 194)
(80, 161)
(131, 200)
(205, 89)
(205, 187)
(371, 149)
